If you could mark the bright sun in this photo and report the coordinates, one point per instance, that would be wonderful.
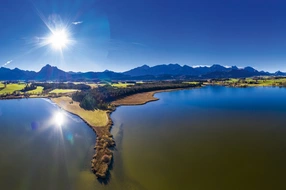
(59, 39)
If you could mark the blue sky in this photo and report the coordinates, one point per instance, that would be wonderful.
(119, 35)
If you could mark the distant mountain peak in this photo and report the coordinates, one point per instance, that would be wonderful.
(174, 64)
(217, 66)
(279, 73)
(47, 65)
(145, 66)
(250, 69)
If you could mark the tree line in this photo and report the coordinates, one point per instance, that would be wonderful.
(100, 98)
(29, 87)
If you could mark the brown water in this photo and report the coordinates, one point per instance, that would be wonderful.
(213, 138)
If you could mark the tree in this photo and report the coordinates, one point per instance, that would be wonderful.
(88, 102)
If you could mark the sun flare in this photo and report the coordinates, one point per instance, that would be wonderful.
(59, 118)
(59, 39)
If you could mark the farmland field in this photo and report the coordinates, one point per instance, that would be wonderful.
(121, 85)
(61, 91)
(38, 90)
(10, 88)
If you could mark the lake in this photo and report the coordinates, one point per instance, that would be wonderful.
(42, 147)
(212, 138)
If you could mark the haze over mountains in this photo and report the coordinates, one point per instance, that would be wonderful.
(159, 72)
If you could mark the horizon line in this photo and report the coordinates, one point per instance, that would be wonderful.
(192, 66)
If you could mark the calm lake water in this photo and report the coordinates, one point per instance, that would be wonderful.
(213, 138)
(39, 153)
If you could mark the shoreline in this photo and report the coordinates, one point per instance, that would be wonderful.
(103, 156)
(141, 98)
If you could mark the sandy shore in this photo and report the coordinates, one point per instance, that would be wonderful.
(100, 122)
(140, 99)
(97, 118)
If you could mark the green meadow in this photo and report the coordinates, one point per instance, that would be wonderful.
(191, 82)
(62, 91)
(265, 81)
(121, 85)
(10, 88)
(38, 90)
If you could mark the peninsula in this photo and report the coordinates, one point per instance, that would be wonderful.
(95, 106)
(94, 102)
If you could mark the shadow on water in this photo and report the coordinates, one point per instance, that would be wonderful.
(119, 138)
(119, 173)
(105, 181)
(117, 177)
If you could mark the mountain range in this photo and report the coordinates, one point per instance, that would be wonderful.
(145, 72)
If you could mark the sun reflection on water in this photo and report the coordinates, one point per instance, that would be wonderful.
(59, 118)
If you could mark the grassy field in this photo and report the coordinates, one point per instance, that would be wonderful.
(94, 118)
(267, 81)
(92, 85)
(191, 82)
(121, 85)
(38, 90)
(62, 91)
(233, 80)
(10, 88)
(1, 85)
